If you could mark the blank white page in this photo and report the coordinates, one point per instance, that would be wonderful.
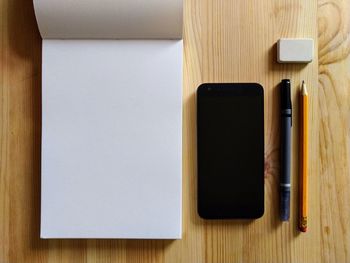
(111, 139)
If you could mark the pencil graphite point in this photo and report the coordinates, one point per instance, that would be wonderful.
(303, 88)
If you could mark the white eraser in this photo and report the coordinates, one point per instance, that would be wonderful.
(295, 50)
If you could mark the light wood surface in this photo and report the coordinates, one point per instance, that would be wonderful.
(225, 41)
(334, 111)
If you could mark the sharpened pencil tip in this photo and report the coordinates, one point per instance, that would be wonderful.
(303, 88)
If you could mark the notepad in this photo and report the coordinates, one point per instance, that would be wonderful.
(111, 120)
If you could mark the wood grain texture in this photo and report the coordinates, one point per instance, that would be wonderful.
(334, 105)
(224, 41)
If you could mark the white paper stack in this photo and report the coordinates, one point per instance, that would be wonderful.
(111, 118)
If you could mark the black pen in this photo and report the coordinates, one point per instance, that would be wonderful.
(286, 132)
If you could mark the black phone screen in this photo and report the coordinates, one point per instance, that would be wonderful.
(230, 141)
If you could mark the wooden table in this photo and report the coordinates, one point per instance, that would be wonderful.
(224, 41)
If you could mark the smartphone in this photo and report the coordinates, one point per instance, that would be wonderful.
(230, 150)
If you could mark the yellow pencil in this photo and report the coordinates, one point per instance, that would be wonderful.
(303, 157)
